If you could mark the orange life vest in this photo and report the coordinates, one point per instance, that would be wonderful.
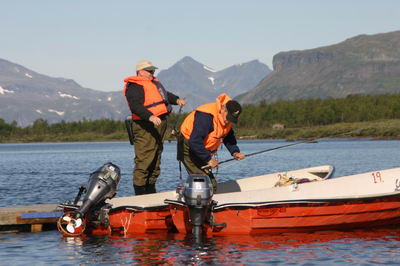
(215, 137)
(153, 101)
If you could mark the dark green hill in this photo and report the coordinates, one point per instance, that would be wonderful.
(366, 64)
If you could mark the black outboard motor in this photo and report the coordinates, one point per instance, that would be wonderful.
(102, 186)
(197, 194)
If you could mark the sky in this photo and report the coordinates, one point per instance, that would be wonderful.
(97, 43)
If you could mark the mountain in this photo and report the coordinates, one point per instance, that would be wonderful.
(200, 84)
(26, 95)
(365, 64)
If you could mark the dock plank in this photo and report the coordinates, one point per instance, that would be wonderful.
(34, 215)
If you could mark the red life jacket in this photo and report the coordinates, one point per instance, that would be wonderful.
(215, 137)
(153, 101)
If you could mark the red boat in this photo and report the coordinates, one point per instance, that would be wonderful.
(150, 213)
(294, 201)
(364, 200)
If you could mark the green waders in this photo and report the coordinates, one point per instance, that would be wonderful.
(148, 146)
(191, 162)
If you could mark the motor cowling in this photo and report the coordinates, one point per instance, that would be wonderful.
(198, 191)
(102, 185)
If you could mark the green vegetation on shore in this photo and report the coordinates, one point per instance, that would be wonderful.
(383, 129)
(354, 116)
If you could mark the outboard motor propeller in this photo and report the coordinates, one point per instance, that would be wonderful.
(102, 186)
(197, 194)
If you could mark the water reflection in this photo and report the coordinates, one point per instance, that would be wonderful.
(318, 247)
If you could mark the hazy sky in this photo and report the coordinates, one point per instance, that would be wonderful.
(97, 43)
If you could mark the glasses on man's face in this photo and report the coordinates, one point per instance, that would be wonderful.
(150, 71)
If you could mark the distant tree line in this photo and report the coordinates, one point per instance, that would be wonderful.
(41, 127)
(41, 130)
(291, 114)
(317, 112)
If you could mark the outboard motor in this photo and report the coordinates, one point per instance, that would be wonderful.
(197, 194)
(102, 186)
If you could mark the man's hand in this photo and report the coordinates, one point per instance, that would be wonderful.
(155, 120)
(212, 163)
(238, 156)
(180, 102)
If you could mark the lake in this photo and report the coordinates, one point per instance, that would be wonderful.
(52, 173)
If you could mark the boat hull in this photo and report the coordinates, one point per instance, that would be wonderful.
(263, 205)
(127, 221)
(297, 217)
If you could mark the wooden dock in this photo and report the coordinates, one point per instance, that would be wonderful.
(33, 218)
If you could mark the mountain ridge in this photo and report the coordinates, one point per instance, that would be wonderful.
(364, 64)
(208, 83)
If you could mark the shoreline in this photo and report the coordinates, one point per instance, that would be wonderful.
(306, 140)
(379, 130)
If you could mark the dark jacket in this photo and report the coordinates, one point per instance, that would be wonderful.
(135, 98)
(203, 125)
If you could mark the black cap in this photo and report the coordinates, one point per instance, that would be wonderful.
(234, 110)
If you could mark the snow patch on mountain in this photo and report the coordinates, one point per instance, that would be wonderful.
(4, 91)
(212, 80)
(57, 112)
(64, 95)
(29, 76)
(209, 69)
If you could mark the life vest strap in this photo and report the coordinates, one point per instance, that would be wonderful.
(156, 103)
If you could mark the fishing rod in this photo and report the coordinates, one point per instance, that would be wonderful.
(288, 145)
(271, 149)
(175, 132)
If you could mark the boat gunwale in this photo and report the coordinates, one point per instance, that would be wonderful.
(138, 208)
(307, 201)
(301, 202)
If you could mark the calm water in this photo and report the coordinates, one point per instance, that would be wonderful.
(52, 173)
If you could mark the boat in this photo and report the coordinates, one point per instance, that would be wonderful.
(364, 200)
(301, 200)
(99, 213)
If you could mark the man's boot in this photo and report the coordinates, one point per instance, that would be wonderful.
(139, 190)
(150, 188)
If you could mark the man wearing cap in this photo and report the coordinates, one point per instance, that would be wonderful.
(150, 105)
(203, 131)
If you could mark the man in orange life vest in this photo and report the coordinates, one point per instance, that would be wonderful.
(203, 131)
(150, 105)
